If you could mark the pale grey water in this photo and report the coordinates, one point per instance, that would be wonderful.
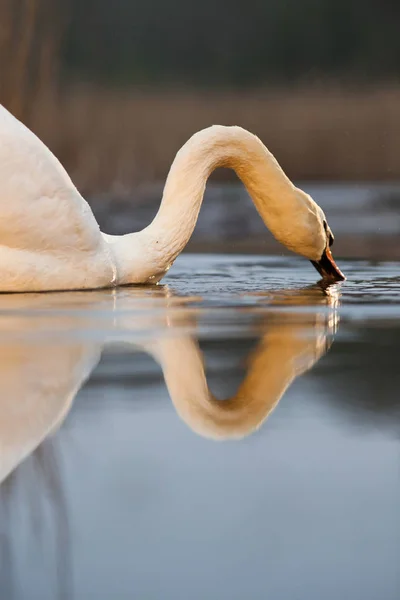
(127, 499)
(117, 486)
(365, 218)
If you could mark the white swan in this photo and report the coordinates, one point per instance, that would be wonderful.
(40, 381)
(50, 239)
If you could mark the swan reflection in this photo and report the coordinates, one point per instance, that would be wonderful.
(51, 344)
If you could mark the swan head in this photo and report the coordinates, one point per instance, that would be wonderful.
(312, 237)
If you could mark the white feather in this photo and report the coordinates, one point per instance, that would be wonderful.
(50, 240)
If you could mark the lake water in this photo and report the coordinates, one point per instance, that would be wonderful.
(233, 433)
(365, 218)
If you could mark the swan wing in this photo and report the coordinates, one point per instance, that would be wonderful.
(45, 224)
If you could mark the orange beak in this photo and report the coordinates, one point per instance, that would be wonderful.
(327, 267)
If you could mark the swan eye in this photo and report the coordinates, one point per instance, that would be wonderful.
(329, 234)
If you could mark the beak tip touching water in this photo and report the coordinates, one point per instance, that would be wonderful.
(327, 267)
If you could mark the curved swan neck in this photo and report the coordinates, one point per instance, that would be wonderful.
(270, 189)
(217, 146)
(284, 352)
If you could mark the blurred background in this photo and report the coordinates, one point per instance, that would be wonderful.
(115, 87)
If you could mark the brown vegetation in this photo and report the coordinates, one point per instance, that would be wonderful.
(108, 137)
(30, 39)
(112, 138)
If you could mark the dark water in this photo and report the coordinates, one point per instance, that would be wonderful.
(365, 218)
(129, 471)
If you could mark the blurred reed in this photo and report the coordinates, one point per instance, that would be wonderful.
(112, 139)
(31, 34)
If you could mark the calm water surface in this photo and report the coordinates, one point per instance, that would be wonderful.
(233, 433)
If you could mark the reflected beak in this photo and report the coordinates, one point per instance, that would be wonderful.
(327, 267)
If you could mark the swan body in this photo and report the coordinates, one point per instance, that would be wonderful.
(50, 240)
